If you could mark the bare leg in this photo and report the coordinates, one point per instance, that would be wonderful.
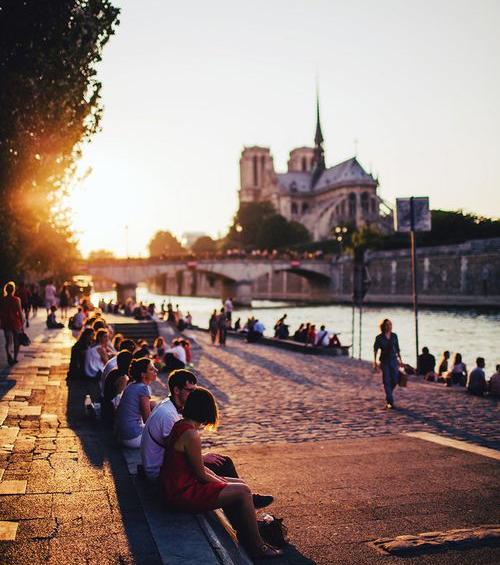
(237, 499)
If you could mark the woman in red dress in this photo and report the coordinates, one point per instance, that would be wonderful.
(11, 314)
(189, 486)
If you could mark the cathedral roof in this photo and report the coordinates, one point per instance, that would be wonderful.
(296, 181)
(348, 172)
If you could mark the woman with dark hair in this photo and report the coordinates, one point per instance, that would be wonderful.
(135, 404)
(443, 364)
(78, 351)
(117, 339)
(11, 318)
(389, 361)
(458, 373)
(189, 486)
(114, 385)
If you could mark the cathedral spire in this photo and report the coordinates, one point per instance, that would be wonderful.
(318, 138)
(319, 153)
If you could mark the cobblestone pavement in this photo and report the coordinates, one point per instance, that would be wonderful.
(65, 492)
(267, 394)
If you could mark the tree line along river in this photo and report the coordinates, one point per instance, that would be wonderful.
(470, 332)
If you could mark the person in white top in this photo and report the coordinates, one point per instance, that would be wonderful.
(178, 351)
(50, 296)
(98, 355)
(322, 338)
(228, 309)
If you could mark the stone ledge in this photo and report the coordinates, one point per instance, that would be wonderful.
(434, 542)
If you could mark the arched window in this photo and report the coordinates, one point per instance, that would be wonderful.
(304, 164)
(255, 172)
(295, 209)
(352, 205)
(364, 202)
(305, 207)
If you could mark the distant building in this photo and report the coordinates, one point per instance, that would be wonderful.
(318, 197)
(188, 238)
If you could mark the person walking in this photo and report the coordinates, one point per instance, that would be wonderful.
(222, 327)
(11, 317)
(389, 361)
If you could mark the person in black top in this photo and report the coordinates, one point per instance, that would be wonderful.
(77, 360)
(390, 359)
(426, 363)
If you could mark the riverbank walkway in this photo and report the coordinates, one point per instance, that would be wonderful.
(312, 431)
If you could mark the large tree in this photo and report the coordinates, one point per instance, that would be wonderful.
(257, 225)
(49, 107)
(164, 243)
(204, 244)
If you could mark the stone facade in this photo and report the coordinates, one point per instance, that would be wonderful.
(320, 198)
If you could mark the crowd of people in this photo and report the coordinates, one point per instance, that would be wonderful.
(119, 372)
(307, 334)
(454, 373)
(387, 358)
(221, 321)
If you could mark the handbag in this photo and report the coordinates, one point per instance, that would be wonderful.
(402, 379)
(272, 530)
(24, 339)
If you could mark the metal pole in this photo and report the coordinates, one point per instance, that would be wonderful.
(353, 305)
(360, 325)
(414, 276)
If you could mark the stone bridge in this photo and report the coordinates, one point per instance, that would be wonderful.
(237, 275)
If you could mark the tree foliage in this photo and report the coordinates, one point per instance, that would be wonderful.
(164, 243)
(49, 107)
(204, 244)
(257, 225)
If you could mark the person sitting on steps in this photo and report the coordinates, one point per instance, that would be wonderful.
(189, 486)
(159, 425)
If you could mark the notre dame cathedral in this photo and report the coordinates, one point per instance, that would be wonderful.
(318, 197)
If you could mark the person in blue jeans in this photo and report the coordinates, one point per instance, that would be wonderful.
(389, 361)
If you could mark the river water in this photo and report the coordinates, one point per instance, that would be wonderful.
(472, 333)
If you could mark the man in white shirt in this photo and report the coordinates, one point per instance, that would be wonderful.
(322, 338)
(160, 423)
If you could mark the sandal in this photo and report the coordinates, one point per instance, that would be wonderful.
(266, 551)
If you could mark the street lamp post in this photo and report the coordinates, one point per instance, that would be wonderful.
(339, 233)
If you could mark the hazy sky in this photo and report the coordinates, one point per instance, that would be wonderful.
(187, 85)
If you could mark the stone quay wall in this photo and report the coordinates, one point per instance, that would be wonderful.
(466, 274)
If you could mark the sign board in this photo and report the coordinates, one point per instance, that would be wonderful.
(413, 214)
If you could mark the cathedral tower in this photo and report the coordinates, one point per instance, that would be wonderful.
(256, 166)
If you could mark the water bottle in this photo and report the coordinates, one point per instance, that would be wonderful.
(88, 404)
(97, 409)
